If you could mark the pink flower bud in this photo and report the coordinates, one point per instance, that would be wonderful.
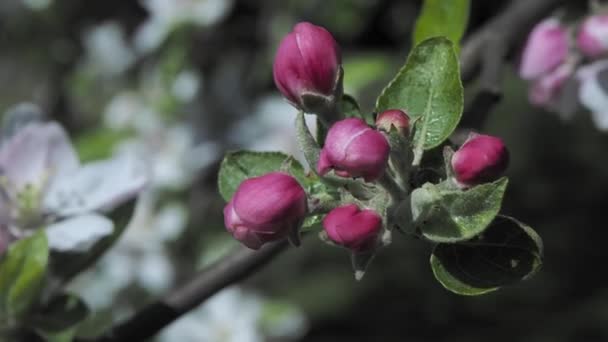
(546, 48)
(482, 158)
(353, 149)
(353, 228)
(592, 38)
(307, 62)
(393, 118)
(265, 208)
(545, 90)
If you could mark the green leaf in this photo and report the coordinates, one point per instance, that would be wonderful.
(59, 319)
(429, 89)
(22, 274)
(99, 143)
(451, 215)
(442, 18)
(312, 223)
(507, 252)
(350, 107)
(240, 165)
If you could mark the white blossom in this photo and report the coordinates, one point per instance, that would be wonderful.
(231, 315)
(593, 93)
(271, 128)
(43, 185)
(166, 15)
(107, 49)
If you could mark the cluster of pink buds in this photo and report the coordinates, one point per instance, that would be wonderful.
(270, 207)
(552, 56)
(273, 206)
(307, 71)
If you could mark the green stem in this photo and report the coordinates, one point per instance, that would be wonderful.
(391, 186)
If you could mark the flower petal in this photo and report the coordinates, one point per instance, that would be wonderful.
(99, 186)
(37, 151)
(78, 234)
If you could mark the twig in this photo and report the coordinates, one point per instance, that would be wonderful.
(234, 268)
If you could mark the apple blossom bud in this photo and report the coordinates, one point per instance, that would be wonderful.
(353, 149)
(546, 48)
(592, 38)
(265, 208)
(482, 158)
(393, 118)
(307, 68)
(353, 228)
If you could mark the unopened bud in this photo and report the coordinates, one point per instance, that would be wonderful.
(265, 208)
(481, 159)
(307, 68)
(353, 149)
(393, 119)
(546, 48)
(353, 228)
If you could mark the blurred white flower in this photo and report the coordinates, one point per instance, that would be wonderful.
(186, 85)
(171, 155)
(271, 128)
(127, 111)
(236, 315)
(165, 15)
(132, 262)
(593, 92)
(231, 315)
(43, 184)
(107, 49)
(37, 5)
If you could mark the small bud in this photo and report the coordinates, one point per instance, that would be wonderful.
(353, 228)
(353, 149)
(546, 48)
(307, 67)
(592, 38)
(265, 208)
(481, 159)
(546, 90)
(393, 119)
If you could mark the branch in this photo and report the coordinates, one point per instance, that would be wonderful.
(484, 52)
(234, 268)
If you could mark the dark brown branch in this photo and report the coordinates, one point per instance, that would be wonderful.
(232, 269)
